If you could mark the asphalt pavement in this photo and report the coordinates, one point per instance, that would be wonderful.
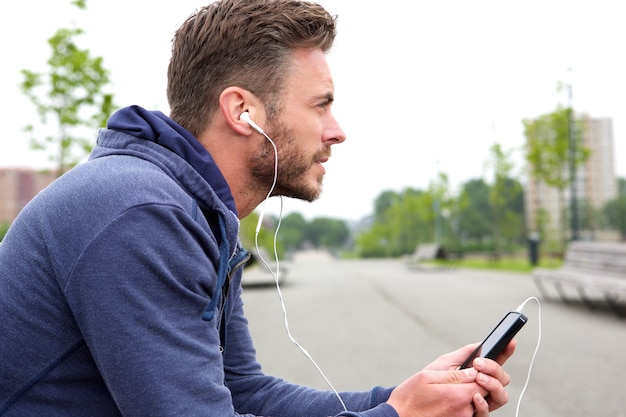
(375, 322)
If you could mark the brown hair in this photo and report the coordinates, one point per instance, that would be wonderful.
(245, 43)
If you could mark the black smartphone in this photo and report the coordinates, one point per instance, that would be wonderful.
(499, 337)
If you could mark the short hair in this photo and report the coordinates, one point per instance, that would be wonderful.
(245, 43)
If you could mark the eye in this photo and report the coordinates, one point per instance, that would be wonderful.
(326, 103)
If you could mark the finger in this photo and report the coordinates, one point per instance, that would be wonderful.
(493, 369)
(498, 396)
(461, 376)
(492, 378)
(457, 376)
(481, 406)
(451, 360)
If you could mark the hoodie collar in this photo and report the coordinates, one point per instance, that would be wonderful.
(156, 127)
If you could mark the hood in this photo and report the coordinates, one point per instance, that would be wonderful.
(156, 127)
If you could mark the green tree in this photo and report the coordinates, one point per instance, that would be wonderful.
(615, 214)
(590, 218)
(507, 224)
(377, 241)
(382, 203)
(265, 237)
(293, 231)
(401, 222)
(72, 93)
(325, 232)
(621, 186)
(513, 228)
(372, 243)
(475, 211)
(411, 221)
(4, 228)
(442, 206)
(549, 151)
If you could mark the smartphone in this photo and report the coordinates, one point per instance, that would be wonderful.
(499, 337)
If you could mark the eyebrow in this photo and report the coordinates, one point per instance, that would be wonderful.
(328, 96)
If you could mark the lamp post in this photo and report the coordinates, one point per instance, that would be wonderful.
(437, 225)
(572, 165)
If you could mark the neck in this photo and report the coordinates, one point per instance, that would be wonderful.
(243, 187)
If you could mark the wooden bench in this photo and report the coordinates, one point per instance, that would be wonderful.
(429, 252)
(591, 268)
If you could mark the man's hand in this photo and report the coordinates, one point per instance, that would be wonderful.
(443, 390)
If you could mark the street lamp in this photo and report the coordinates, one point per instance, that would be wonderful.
(572, 164)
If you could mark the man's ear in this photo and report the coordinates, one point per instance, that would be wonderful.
(236, 100)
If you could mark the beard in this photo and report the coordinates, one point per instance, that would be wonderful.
(294, 165)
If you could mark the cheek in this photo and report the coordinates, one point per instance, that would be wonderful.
(298, 146)
(294, 161)
(292, 143)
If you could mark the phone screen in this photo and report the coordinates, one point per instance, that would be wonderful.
(499, 337)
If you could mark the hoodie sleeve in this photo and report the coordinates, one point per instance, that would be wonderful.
(382, 410)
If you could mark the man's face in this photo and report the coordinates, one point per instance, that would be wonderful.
(303, 131)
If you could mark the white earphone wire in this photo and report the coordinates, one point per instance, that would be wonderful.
(276, 275)
(532, 360)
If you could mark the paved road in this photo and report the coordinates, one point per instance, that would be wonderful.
(373, 322)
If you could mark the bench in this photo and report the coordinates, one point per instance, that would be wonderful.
(591, 268)
(257, 274)
(429, 252)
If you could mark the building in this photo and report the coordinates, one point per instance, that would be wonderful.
(17, 187)
(596, 185)
(598, 179)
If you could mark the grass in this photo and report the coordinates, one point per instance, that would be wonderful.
(516, 264)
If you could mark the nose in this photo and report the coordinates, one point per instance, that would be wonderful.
(333, 134)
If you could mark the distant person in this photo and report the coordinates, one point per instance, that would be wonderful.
(120, 284)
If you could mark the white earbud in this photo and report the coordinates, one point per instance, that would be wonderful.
(245, 116)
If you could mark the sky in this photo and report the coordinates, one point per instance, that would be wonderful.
(421, 87)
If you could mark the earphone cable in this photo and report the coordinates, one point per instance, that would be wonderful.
(276, 275)
(532, 360)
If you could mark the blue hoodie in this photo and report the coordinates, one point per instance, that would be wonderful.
(120, 292)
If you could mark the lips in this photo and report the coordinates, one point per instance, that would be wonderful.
(320, 163)
(323, 157)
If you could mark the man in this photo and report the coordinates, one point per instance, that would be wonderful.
(120, 284)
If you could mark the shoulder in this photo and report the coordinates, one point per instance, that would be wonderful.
(118, 182)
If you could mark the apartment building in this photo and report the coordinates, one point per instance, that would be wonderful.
(17, 187)
(596, 184)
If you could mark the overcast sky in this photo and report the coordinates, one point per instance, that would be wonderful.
(421, 86)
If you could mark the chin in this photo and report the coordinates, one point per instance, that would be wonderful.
(307, 192)
(310, 195)
(316, 188)
(307, 189)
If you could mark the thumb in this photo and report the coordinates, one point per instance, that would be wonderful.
(461, 376)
